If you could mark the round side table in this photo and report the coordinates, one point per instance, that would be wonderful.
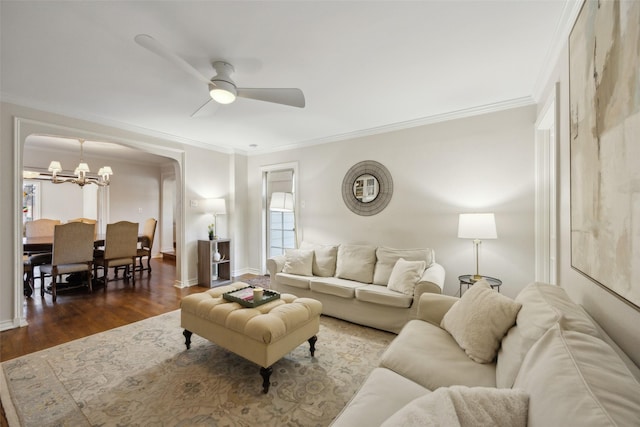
(467, 280)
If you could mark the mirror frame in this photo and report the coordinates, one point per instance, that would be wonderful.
(385, 188)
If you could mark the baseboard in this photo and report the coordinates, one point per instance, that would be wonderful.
(243, 271)
(187, 284)
(12, 324)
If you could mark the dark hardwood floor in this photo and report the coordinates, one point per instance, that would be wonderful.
(78, 313)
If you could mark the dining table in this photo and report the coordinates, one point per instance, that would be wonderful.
(45, 243)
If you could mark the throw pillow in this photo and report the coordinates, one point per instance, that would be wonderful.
(386, 259)
(298, 261)
(575, 379)
(466, 407)
(356, 262)
(405, 275)
(324, 260)
(479, 320)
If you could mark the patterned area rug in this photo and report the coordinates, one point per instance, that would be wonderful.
(141, 374)
(262, 281)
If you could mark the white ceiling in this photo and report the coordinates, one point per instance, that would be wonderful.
(364, 66)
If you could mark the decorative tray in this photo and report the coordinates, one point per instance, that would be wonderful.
(244, 297)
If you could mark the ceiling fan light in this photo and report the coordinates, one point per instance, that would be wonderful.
(222, 92)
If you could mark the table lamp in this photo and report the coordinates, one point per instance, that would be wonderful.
(477, 226)
(214, 207)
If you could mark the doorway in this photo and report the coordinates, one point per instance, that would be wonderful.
(546, 244)
(279, 213)
(25, 127)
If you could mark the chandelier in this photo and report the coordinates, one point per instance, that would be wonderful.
(81, 172)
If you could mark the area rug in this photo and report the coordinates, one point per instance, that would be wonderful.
(142, 375)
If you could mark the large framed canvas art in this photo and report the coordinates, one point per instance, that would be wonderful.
(604, 86)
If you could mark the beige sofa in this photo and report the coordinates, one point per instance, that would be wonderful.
(373, 286)
(555, 367)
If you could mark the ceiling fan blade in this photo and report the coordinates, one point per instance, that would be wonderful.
(206, 109)
(293, 97)
(158, 48)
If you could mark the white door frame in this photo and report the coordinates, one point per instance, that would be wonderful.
(546, 173)
(264, 170)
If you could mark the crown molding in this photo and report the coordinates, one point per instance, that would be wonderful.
(559, 41)
(393, 127)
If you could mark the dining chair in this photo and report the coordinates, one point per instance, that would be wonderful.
(120, 249)
(40, 227)
(148, 234)
(27, 271)
(88, 221)
(43, 227)
(72, 253)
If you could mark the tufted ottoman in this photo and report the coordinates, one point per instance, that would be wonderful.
(262, 335)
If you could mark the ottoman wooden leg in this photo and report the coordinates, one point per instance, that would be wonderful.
(187, 338)
(312, 344)
(266, 373)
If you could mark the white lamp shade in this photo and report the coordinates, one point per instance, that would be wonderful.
(82, 167)
(214, 206)
(55, 167)
(477, 226)
(105, 170)
(281, 202)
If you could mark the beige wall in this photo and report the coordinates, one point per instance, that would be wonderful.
(482, 163)
(618, 318)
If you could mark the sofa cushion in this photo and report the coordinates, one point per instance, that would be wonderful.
(334, 286)
(382, 394)
(479, 320)
(405, 275)
(575, 379)
(356, 262)
(324, 260)
(426, 354)
(294, 280)
(464, 407)
(387, 257)
(298, 261)
(543, 305)
(383, 296)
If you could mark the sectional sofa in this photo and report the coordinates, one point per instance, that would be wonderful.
(373, 286)
(484, 359)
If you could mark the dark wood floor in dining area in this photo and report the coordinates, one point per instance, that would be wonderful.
(78, 313)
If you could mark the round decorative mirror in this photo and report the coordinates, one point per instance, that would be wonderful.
(367, 188)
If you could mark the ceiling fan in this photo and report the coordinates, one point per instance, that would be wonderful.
(222, 88)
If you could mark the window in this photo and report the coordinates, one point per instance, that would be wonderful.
(30, 201)
(282, 232)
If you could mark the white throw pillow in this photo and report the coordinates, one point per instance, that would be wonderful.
(466, 407)
(405, 275)
(575, 379)
(324, 259)
(356, 262)
(386, 259)
(298, 261)
(479, 320)
(543, 305)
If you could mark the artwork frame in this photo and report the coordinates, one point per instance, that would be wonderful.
(604, 97)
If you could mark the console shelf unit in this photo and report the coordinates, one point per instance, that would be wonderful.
(214, 273)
